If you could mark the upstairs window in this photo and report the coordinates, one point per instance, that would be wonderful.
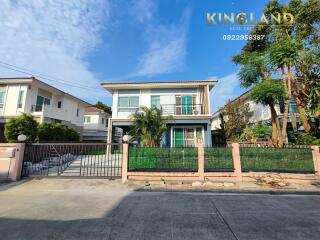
(59, 104)
(40, 102)
(77, 112)
(102, 120)
(128, 104)
(20, 98)
(155, 101)
(2, 97)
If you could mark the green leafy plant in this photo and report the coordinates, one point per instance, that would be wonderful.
(24, 124)
(148, 126)
(57, 132)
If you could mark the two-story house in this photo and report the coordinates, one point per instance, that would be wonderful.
(45, 102)
(187, 102)
(95, 124)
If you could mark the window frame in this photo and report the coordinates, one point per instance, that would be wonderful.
(128, 108)
(20, 98)
(86, 118)
(151, 98)
(4, 99)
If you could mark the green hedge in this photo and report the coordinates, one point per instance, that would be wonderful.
(163, 159)
(277, 160)
(218, 159)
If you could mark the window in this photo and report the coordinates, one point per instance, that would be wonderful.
(87, 119)
(2, 97)
(128, 104)
(186, 136)
(40, 102)
(185, 104)
(77, 112)
(59, 104)
(20, 98)
(155, 101)
(102, 120)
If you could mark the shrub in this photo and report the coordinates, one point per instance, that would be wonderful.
(57, 132)
(24, 124)
(255, 132)
(72, 135)
(305, 139)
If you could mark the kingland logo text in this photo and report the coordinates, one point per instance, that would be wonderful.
(243, 18)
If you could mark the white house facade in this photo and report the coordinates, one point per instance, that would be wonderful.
(44, 102)
(187, 102)
(95, 124)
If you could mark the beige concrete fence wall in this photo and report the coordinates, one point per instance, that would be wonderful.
(11, 160)
(236, 176)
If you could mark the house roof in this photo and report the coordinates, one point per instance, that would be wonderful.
(94, 110)
(147, 85)
(26, 80)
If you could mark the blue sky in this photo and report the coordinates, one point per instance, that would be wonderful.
(79, 44)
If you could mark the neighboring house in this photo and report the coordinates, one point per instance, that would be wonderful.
(258, 113)
(186, 101)
(46, 103)
(95, 124)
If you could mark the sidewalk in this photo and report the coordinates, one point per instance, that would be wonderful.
(223, 187)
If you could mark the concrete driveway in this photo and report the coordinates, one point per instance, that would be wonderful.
(102, 209)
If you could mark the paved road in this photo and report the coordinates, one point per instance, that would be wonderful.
(100, 209)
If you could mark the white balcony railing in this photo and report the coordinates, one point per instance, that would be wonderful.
(173, 109)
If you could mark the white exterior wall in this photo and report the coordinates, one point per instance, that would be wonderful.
(167, 96)
(11, 100)
(96, 122)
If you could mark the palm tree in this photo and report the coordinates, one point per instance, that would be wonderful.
(148, 126)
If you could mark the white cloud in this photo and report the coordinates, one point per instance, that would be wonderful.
(54, 38)
(166, 44)
(143, 10)
(225, 90)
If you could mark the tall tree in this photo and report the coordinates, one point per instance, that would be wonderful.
(290, 51)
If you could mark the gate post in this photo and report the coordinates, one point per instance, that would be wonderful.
(125, 157)
(236, 161)
(15, 175)
(316, 160)
(200, 161)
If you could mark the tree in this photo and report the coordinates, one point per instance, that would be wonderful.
(148, 126)
(24, 124)
(103, 107)
(291, 51)
(235, 117)
(268, 92)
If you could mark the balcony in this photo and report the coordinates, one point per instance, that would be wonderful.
(173, 109)
(49, 111)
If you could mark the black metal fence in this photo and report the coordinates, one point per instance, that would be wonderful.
(184, 159)
(72, 160)
(289, 159)
(218, 159)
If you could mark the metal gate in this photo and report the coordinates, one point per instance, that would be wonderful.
(96, 160)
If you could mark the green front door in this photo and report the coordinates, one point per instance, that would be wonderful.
(178, 137)
(186, 105)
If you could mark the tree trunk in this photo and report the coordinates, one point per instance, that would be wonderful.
(274, 117)
(287, 88)
(302, 112)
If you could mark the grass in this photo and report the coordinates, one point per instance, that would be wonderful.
(277, 160)
(218, 159)
(163, 159)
